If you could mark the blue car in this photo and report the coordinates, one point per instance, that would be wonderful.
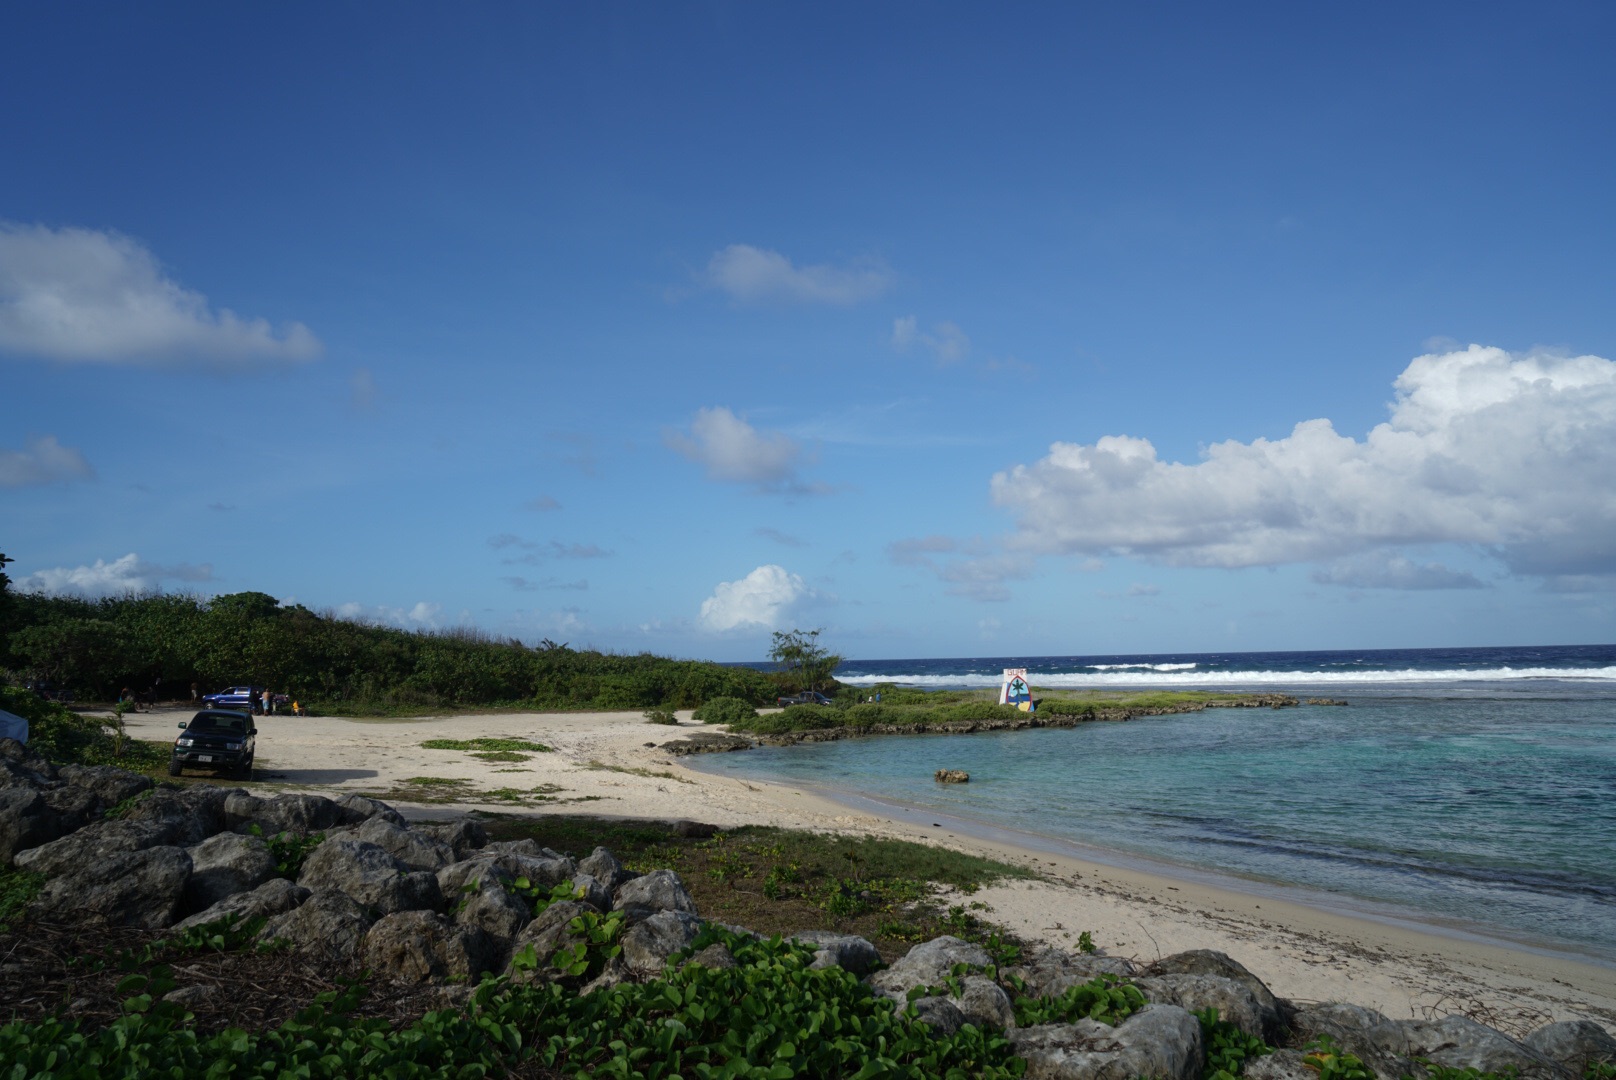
(237, 697)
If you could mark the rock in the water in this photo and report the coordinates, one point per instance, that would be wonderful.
(1274, 1013)
(330, 924)
(1049, 972)
(122, 888)
(548, 932)
(463, 837)
(605, 868)
(927, 964)
(952, 776)
(984, 1003)
(357, 809)
(422, 946)
(224, 865)
(371, 876)
(648, 944)
(644, 896)
(274, 897)
(416, 850)
(1575, 1044)
(1234, 1001)
(1160, 1041)
(847, 951)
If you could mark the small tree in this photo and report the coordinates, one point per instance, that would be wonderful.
(802, 659)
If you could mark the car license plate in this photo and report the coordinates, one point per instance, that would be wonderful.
(204, 757)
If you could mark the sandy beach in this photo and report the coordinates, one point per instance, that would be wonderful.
(609, 764)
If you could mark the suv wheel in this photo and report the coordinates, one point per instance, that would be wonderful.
(175, 768)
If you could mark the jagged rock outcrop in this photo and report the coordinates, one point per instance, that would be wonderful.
(415, 849)
(661, 890)
(357, 809)
(1260, 1013)
(330, 924)
(27, 821)
(497, 914)
(141, 888)
(1574, 1044)
(928, 964)
(648, 944)
(1049, 972)
(370, 875)
(224, 865)
(847, 951)
(423, 946)
(274, 897)
(1160, 1041)
(605, 868)
(549, 931)
(463, 837)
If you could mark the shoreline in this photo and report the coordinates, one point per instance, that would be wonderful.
(612, 765)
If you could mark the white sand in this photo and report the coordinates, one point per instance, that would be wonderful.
(1302, 952)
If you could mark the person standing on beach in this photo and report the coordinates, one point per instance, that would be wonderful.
(269, 701)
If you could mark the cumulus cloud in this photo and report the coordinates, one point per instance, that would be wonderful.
(42, 460)
(130, 574)
(87, 296)
(736, 452)
(946, 341)
(755, 275)
(760, 599)
(1513, 453)
(1385, 570)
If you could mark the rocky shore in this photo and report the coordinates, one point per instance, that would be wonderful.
(439, 905)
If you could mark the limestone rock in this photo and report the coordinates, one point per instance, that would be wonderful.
(357, 809)
(541, 870)
(458, 878)
(298, 814)
(109, 784)
(122, 888)
(97, 842)
(548, 932)
(952, 776)
(26, 821)
(1274, 1012)
(416, 850)
(528, 847)
(1352, 1027)
(927, 964)
(463, 837)
(605, 868)
(1575, 1044)
(1160, 1041)
(716, 955)
(1461, 1043)
(1280, 1065)
(274, 897)
(189, 815)
(587, 889)
(982, 1002)
(330, 924)
(694, 830)
(422, 946)
(1049, 972)
(371, 876)
(224, 865)
(648, 894)
(648, 944)
(847, 951)
(940, 1014)
(195, 994)
(496, 913)
(1234, 1001)
(73, 807)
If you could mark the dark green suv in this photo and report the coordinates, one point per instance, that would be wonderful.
(219, 739)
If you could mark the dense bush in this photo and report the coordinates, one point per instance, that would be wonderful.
(96, 648)
(724, 710)
(812, 717)
(63, 735)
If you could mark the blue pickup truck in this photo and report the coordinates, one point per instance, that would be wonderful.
(237, 697)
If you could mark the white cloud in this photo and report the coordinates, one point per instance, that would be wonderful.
(947, 343)
(42, 460)
(1512, 453)
(755, 275)
(83, 295)
(762, 598)
(423, 616)
(734, 451)
(1386, 570)
(130, 574)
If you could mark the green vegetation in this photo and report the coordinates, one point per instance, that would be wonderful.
(62, 735)
(96, 648)
(1108, 999)
(1227, 1047)
(1333, 1063)
(487, 746)
(17, 890)
(660, 716)
(802, 662)
(724, 710)
(288, 849)
(635, 770)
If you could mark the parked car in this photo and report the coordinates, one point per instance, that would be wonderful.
(237, 697)
(220, 739)
(807, 697)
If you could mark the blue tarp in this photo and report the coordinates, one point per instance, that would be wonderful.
(13, 726)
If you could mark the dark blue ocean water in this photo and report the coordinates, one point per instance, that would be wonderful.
(1469, 787)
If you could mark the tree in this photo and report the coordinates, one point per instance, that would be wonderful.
(802, 659)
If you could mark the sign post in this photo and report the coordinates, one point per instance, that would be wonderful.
(1016, 690)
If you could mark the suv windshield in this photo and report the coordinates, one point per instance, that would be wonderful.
(228, 725)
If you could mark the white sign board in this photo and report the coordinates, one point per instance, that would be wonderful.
(1015, 689)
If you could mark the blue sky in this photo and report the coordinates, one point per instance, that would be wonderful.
(956, 330)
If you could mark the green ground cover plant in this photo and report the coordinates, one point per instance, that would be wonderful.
(724, 710)
(660, 716)
(64, 736)
(17, 890)
(487, 745)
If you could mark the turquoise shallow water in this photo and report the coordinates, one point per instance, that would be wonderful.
(1495, 810)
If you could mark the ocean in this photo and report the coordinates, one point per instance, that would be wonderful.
(1468, 789)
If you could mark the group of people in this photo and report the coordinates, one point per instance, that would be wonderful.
(267, 702)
